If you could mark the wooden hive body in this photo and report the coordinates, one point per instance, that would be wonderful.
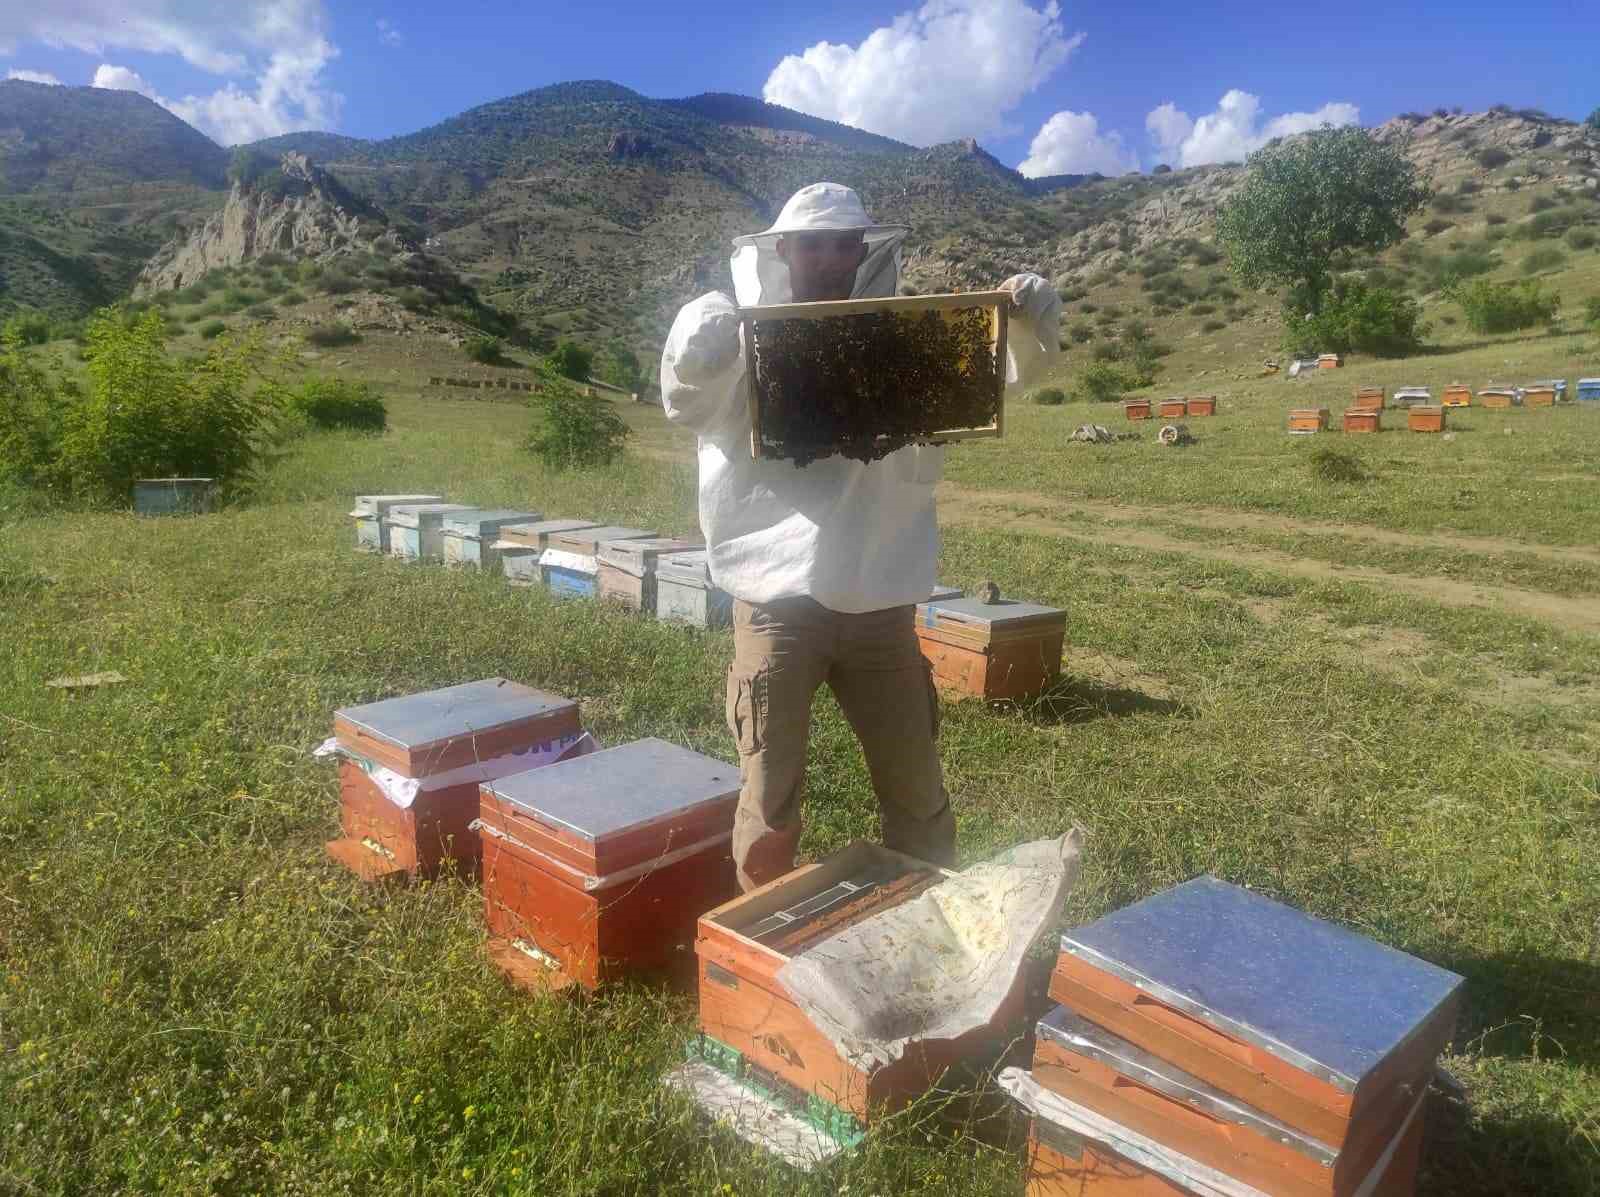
(1497, 398)
(1173, 409)
(520, 545)
(570, 564)
(1200, 405)
(1002, 650)
(1329, 361)
(416, 531)
(381, 838)
(1539, 397)
(469, 538)
(1426, 419)
(686, 594)
(799, 350)
(1322, 1048)
(1308, 419)
(1363, 420)
(371, 533)
(1456, 395)
(743, 1005)
(1137, 409)
(1370, 399)
(603, 863)
(627, 569)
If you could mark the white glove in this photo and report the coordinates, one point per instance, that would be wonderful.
(1032, 296)
(710, 347)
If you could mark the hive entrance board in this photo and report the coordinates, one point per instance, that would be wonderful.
(864, 377)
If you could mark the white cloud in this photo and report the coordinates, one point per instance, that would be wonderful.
(271, 55)
(34, 77)
(952, 68)
(1235, 129)
(1070, 143)
(388, 34)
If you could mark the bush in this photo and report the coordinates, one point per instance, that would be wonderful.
(1540, 203)
(212, 329)
(1106, 351)
(331, 336)
(1356, 317)
(1469, 263)
(484, 350)
(1049, 396)
(1542, 259)
(1582, 238)
(338, 284)
(1213, 325)
(26, 327)
(570, 360)
(1494, 218)
(291, 298)
(1202, 309)
(1081, 333)
(1449, 204)
(1335, 465)
(1436, 226)
(337, 403)
(1468, 187)
(1492, 158)
(1591, 312)
(572, 430)
(1504, 307)
(31, 403)
(1102, 382)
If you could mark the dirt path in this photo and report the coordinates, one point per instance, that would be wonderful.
(958, 506)
(952, 497)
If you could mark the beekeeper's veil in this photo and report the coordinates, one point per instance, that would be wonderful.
(760, 276)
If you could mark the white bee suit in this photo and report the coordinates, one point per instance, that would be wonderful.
(853, 536)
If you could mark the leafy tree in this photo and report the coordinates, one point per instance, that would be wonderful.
(1102, 382)
(1309, 198)
(571, 430)
(1355, 316)
(571, 360)
(1504, 307)
(483, 349)
(618, 365)
(30, 416)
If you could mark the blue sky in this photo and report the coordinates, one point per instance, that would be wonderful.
(1052, 87)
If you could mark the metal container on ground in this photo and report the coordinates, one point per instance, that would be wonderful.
(371, 534)
(686, 594)
(1005, 649)
(174, 496)
(626, 571)
(570, 565)
(1413, 397)
(600, 865)
(469, 537)
(416, 531)
(520, 546)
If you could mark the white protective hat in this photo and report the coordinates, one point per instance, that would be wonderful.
(760, 276)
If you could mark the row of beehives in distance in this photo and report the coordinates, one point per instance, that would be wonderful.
(1168, 1068)
(1424, 415)
(1171, 409)
(513, 384)
(996, 650)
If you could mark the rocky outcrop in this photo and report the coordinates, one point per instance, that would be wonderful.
(295, 209)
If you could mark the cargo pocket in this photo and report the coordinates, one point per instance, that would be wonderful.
(747, 709)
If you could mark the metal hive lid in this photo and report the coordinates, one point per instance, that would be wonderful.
(593, 537)
(620, 789)
(547, 527)
(976, 611)
(378, 504)
(411, 515)
(413, 721)
(1324, 998)
(480, 522)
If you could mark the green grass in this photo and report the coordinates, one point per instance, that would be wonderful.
(197, 1002)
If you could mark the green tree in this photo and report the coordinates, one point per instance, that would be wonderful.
(1306, 199)
(571, 360)
(573, 430)
(30, 416)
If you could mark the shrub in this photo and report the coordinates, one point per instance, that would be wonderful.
(1494, 218)
(1591, 312)
(1336, 465)
(1356, 317)
(338, 403)
(572, 430)
(1213, 325)
(1102, 382)
(1469, 263)
(212, 329)
(26, 327)
(1540, 203)
(1492, 157)
(1542, 259)
(31, 403)
(291, 298)
(1582, 238)
(1081, 333)
(1437, 226)
(332, 335)
(570, 360)
(1203, 309)
(1468, 187)
(484, 350)
(338, 284)
(1049, 396)
(1106, 351)
(1504, 307)
(1089, 309)
(1447, 203)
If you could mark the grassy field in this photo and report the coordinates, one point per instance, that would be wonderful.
(1377, 701)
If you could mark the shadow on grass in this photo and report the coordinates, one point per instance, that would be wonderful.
(1523, 1006)
(1075, 700)
(1530, 1156)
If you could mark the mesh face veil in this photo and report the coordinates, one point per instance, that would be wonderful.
(760, 276)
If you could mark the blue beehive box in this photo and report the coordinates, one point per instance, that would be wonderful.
(520, 546)
(569, 564)
(1589, 389)
(371, 535)
(416, 531)
(469, 538)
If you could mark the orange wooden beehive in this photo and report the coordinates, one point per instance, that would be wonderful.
(1308, 419)
(437, 747)
(1328, 361)
(1363, 420)
(599, 866)
(1456, 395)
(1137, 409)
(1200, 405)
(744, 943)
(1173, 409)
(1005, 649)
(1539, 397)
(1497, 398)
(1425, 419)
(1370, 399)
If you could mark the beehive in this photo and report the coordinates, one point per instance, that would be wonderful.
(1498, 398)
(1200, 405)
(1370, 399)
(1345, 1024)
(1425, 419)
(743, 944)
(436, 748)
(1538, 396)
(686, 594)
(416, 530)
(1308, 419)
(1328, 361)
(1006, 649)
(1363, 420)
(1137, 409)
(1173, 409)
(174, 496)
(1456, 395)
(1589, 389)
(600, 865)
(627, 569)
(371, 534)
(520, 545)
(1413, 397)
(570, 565)
(865, 377)
(470, 536)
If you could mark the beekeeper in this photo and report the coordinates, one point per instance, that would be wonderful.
(825, 563)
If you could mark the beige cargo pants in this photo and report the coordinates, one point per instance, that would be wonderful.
(783, 651)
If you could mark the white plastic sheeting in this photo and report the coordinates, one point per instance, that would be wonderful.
(402, 790)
